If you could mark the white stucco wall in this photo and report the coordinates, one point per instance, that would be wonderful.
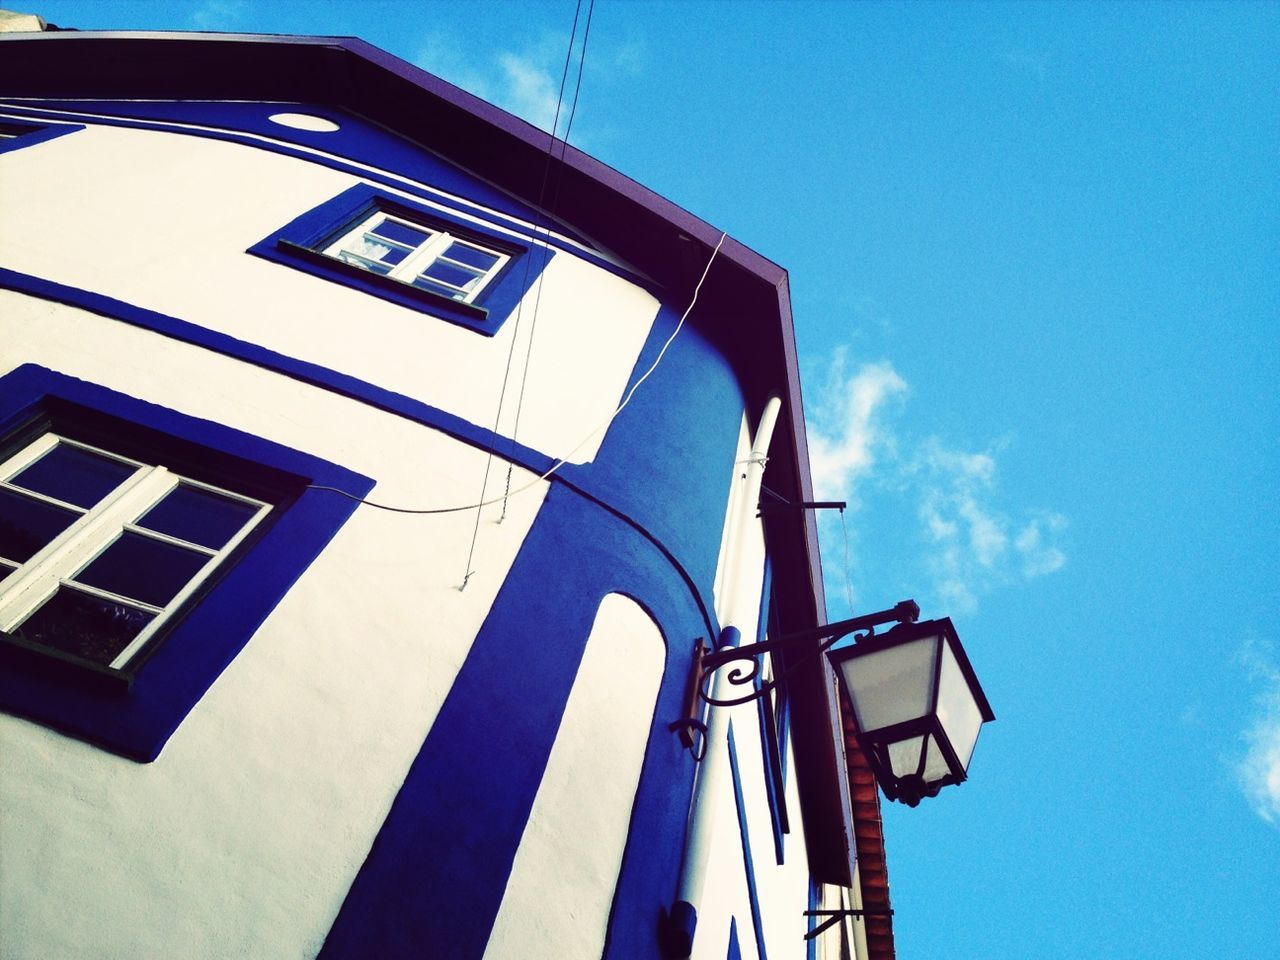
(243, 837)
(782, 889)
(162, 219)
(557, 900)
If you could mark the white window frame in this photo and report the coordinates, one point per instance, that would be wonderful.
(25, 588)
(419, 258)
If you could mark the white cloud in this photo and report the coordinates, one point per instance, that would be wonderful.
(1024, 61)
(972, 544)
(847, 436)
(529, 91)
(218, 15)
(524, 82)
(1259, 770)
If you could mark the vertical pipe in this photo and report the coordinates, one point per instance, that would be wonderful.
(684, 912)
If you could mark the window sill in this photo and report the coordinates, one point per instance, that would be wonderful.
(436, 304)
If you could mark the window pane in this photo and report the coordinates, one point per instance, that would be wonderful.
(402, 233)
(372, 265)
(443, 272)
(439, 288)
(198, 516)
(143, 569)
(27, 524)
(86, 626)
(472, 256)
(73, 475)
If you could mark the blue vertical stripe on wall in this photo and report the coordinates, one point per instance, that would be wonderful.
(734, 952)
(434, 878)
(752, 893)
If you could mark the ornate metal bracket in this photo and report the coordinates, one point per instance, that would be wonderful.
(775, 505)
(835, 916)
(824, 637)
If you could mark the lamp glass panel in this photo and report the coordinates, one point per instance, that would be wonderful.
(957, 709)
(935, 762)
(892, 685)
(904, 756)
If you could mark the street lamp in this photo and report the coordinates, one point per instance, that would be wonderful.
(917, 704)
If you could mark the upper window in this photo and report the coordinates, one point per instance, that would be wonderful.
(98, 550)
(425, 258)
(434, 260)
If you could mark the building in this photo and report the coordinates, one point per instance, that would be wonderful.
(247, 281)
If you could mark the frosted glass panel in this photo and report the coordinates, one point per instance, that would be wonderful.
(893, 685)
(904, 756)
(957, 709)
(935, 764)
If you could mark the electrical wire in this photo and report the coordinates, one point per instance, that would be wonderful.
(555, 201)
(515, 330)
(583, 442)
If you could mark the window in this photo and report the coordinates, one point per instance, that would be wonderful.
(97, 550)
(434, 260)
(140, 550)
(425, 258)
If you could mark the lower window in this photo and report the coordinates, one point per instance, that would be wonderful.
(140, 550)
(98, 550)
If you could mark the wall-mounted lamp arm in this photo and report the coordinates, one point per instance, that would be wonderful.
(824, 636)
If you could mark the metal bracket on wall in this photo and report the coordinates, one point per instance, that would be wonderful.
(774, 505)
(692, 730)
(835, 916)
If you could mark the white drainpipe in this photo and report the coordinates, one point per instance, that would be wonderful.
(711, 772)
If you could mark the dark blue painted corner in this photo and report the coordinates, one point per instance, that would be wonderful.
(138, 720)
(681, 927)
(28, 134)
(297, 244)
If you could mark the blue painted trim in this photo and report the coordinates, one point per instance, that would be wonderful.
(419, 169)
(313, 374)
(753, 893)
(690, 517)
(735, 950)
(138, 722)
(436, 873)
(35, 133)
(297, 244)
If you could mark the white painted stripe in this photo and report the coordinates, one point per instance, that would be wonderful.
(560, 890)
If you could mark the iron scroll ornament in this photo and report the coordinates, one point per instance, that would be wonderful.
(826, 636)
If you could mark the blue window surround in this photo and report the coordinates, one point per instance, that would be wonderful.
(29, 134)
(134, 716)
(297, 245)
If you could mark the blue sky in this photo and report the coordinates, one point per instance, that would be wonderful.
(1033, 254)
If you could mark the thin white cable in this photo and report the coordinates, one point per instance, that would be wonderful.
(583, 442)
